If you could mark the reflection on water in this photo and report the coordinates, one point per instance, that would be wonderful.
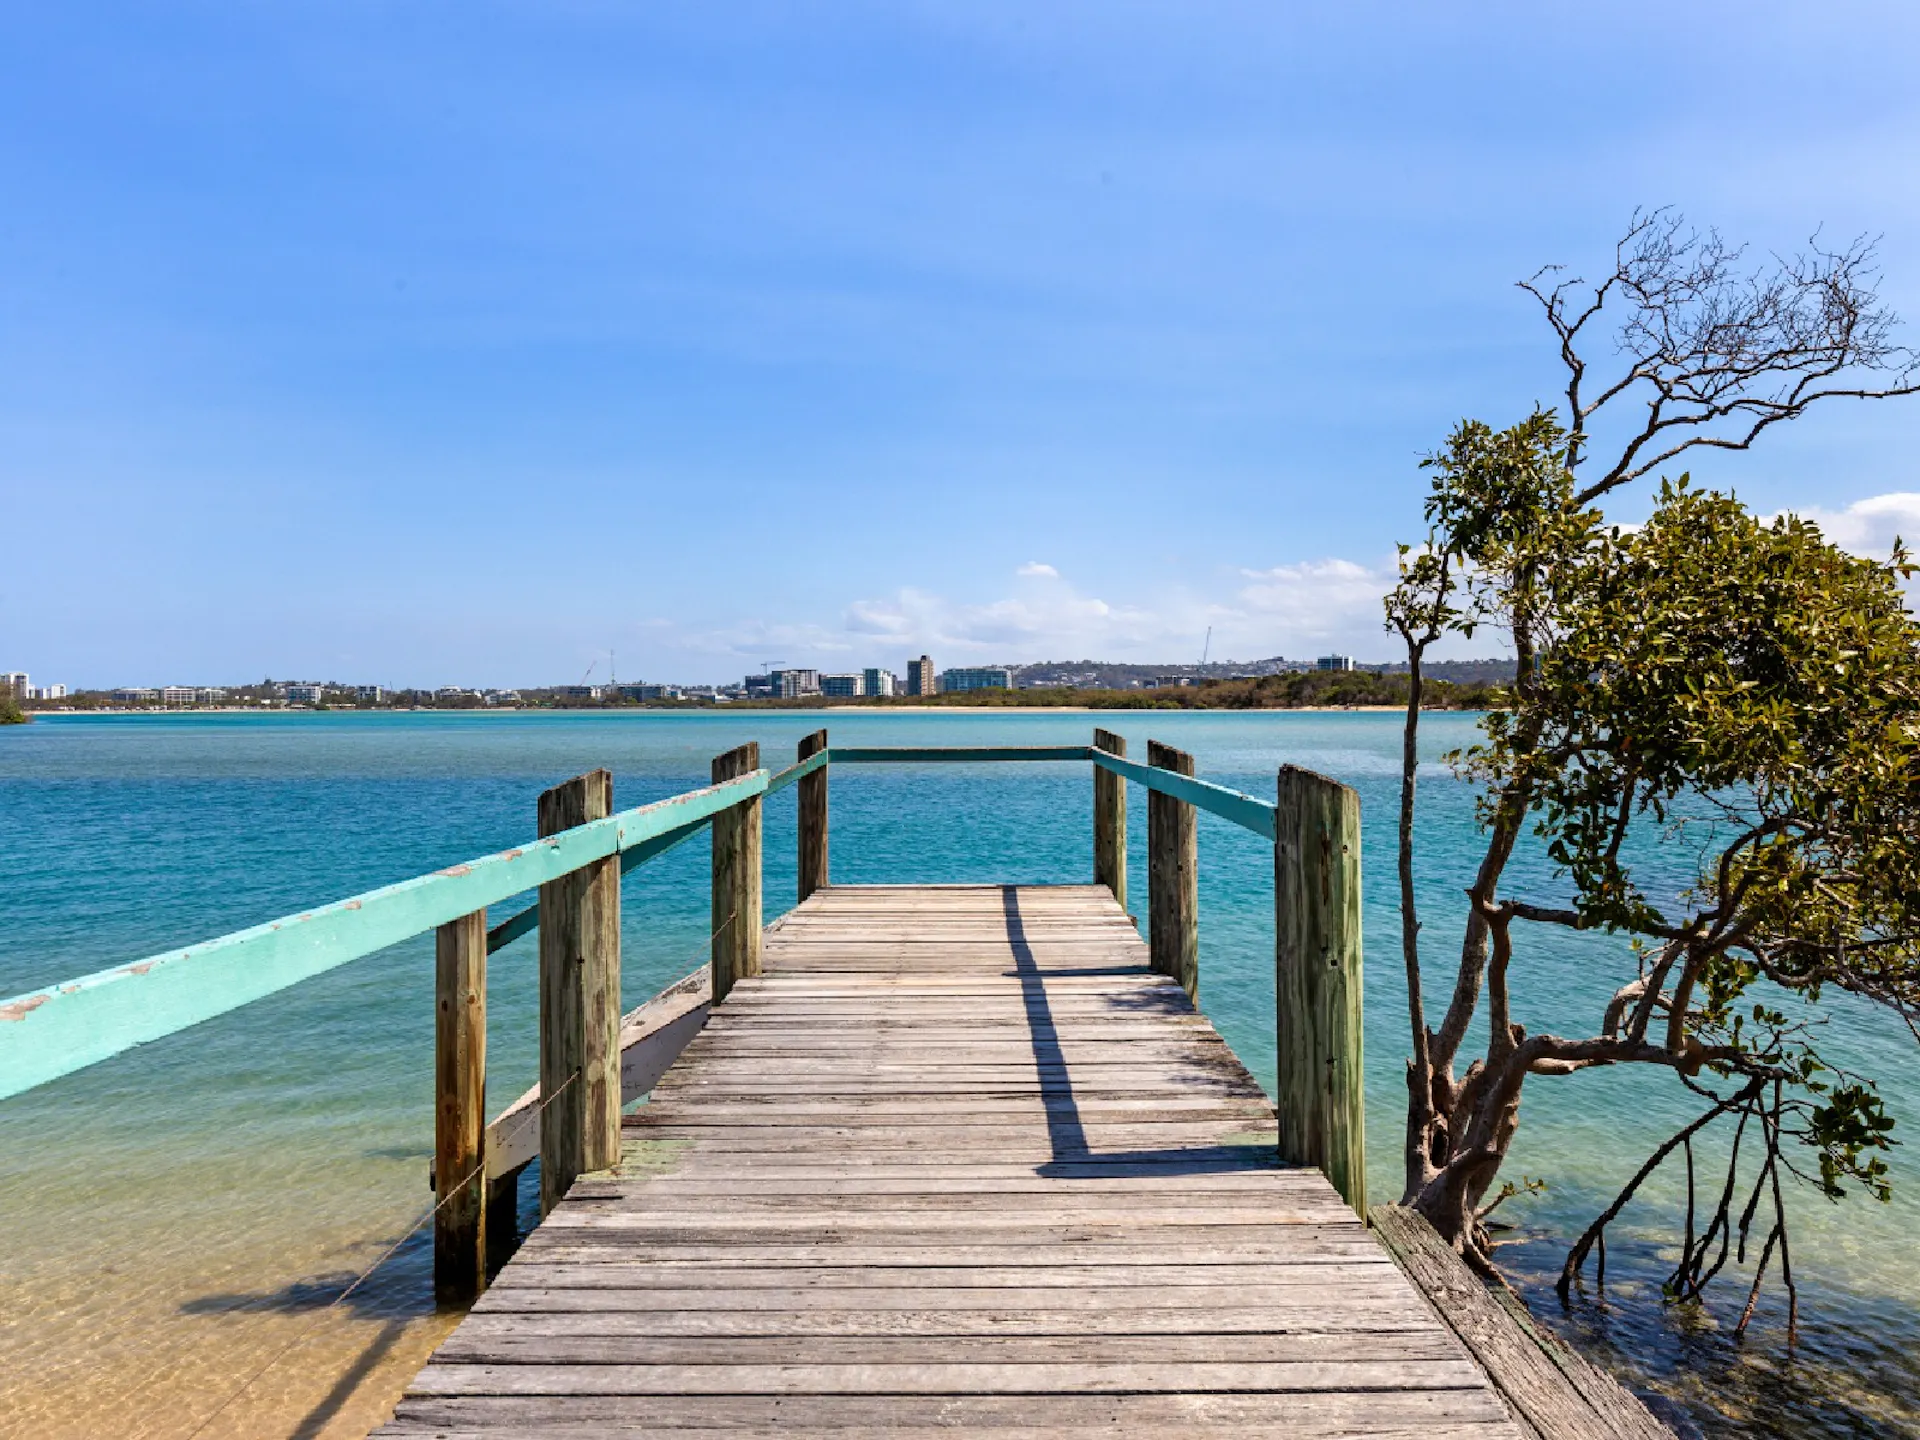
(179, 1222)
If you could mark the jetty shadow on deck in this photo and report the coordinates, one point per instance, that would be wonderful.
(1073, 1158)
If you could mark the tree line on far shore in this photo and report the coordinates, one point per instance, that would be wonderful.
(1297, 690)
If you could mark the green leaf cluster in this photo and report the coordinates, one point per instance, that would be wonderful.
(1739, 683)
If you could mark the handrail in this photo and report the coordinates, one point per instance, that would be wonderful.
(783, 778)
(1242, 809)
(923, 754)
(1312, 825)
(54, 1031)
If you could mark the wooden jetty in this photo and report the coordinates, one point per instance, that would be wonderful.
(958, 1158)
(913, 1158)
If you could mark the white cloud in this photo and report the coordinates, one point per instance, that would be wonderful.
(1298, 609)
(1868, 527)
(1319, 600)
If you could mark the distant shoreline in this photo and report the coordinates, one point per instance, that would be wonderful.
(760, 709)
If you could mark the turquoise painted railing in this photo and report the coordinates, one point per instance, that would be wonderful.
(56, 1030)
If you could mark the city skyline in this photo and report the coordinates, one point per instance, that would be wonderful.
(874, 680)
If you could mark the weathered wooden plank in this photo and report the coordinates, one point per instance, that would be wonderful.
(1108, 1246)
(1110, 821)
(1390, 1415)
(460, 1108)
(1173, 875)
(813, 818)
(736, 912)
(1553, 1390)
(579, 998)
(1153, 1284)
(639, 1315)
(515, 1346)
(651, 1039)
(992, 1174)
(1317, 979)
(935, 1378)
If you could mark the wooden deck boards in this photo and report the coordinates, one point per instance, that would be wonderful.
(957, 1161)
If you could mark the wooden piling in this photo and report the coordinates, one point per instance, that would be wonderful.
(502, 1219)
(1110, 819)
(813, 819)
(579, 999)
(1173, 875)
(736, 877)
(460, 1108)
(1317, 979)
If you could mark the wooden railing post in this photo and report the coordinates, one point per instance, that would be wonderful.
(813, 819)
(1317, 979)
(579, 999)
(460, 1108)
(736, 877)
(1110, 819)
(1173, 875)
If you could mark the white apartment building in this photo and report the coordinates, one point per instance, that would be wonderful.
(792, 684)
(844, 687)
(875, 681)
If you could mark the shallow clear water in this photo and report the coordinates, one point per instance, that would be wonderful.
(178, 1221)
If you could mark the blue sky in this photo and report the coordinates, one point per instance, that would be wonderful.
(435, 343)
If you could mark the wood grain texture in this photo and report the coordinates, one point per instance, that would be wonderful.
(968, 1182)
(1110, 820)
(1556, 1394)
(579, 998)
(1173, 876)
(736, 878)
(460, 1108)
(813, 818)
(1317, 979)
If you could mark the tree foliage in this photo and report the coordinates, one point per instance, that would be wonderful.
(1735, 688)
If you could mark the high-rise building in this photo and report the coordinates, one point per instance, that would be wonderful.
(792, 684)
(984, 677)
(879, 682)
(1334, 662)
(17, 682)
(843, 687)
(920, 677)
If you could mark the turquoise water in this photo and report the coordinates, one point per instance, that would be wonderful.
(179, 1219)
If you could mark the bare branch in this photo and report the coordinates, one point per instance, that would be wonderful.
(1721, 351)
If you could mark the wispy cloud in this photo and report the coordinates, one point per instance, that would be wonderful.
(1870, 526)
(1293, 609)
